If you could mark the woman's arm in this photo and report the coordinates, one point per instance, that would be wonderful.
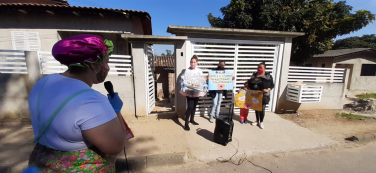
(109, 137)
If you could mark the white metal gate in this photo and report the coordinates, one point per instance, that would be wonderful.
(241, 56)
(150, 89)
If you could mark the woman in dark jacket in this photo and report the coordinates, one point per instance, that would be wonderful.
(261, 81)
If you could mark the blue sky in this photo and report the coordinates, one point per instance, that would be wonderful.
(193, 13)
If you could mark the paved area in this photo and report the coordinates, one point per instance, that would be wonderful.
(158, 135)
(359, 160)
(279, 135)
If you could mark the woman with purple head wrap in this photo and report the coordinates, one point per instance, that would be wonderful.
(75, 127)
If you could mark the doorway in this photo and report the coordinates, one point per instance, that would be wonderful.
(164, 75)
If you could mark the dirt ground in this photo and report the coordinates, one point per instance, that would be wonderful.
(331, 124)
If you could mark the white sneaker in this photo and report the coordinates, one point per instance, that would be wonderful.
(261, 125)
(254, 123)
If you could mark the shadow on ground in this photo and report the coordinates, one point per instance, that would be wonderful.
(16, 144)
(208, 135)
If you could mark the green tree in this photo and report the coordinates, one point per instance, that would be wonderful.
(320, 20)
(366, 41)
(168, 53)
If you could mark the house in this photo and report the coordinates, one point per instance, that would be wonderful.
(30, 28)
(36, 25)
(361, 63)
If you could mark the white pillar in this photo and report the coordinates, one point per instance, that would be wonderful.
(140, 76)
(180, 66)
(284, 73)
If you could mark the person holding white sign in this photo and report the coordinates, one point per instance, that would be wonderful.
(193, 87)
(217, 95)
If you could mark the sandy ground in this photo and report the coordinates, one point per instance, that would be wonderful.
(331, 124)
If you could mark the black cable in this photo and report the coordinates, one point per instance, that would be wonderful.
(240, 160)
(259, 166)
(126, 160)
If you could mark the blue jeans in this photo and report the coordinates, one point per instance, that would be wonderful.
(216, 107)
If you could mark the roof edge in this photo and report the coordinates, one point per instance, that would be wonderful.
(336, 56)
(153, 39)
(174, 29)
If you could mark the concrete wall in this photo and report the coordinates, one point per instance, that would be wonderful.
(332, 98)
(123, 85)
(48, 37)
(15, 89)
(162, 82)
(69, 21)
(359, 84)
(14, 92)
(180, 66)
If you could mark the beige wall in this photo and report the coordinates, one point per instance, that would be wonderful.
(48, 37)
(48, 26)
(360, 84)
(15, 89)
(332, 98)
(123, 85)
(69, 21)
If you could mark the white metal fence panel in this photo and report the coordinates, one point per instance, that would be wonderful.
(304, 93)
(316, 75)
(150, 78)
(13, 61)
(242, 58)
(49, 65)
(249, 56)
(209, 56)
(119, 64)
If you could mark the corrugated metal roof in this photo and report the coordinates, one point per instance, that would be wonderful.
(164, 61)
(340, 52)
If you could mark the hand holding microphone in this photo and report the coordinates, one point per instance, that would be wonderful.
(113, 97)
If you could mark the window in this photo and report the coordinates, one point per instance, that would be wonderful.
(25, 40)
(368, 70)
(322, 65)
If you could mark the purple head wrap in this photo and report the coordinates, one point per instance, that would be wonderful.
(81, 49)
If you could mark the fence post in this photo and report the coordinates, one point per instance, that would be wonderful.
(33, 68)
(345, 80)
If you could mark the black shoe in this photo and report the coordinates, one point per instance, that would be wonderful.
(186, 128)
(194, 123)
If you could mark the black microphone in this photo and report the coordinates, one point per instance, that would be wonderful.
(110, 88)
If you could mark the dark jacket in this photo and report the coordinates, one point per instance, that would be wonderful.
(261, 83)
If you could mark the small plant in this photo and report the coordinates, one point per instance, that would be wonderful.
(351, 116)
(366, 96)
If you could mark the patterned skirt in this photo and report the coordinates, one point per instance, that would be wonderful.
(86, 160)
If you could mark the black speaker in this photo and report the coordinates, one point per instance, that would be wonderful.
(224, 127)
